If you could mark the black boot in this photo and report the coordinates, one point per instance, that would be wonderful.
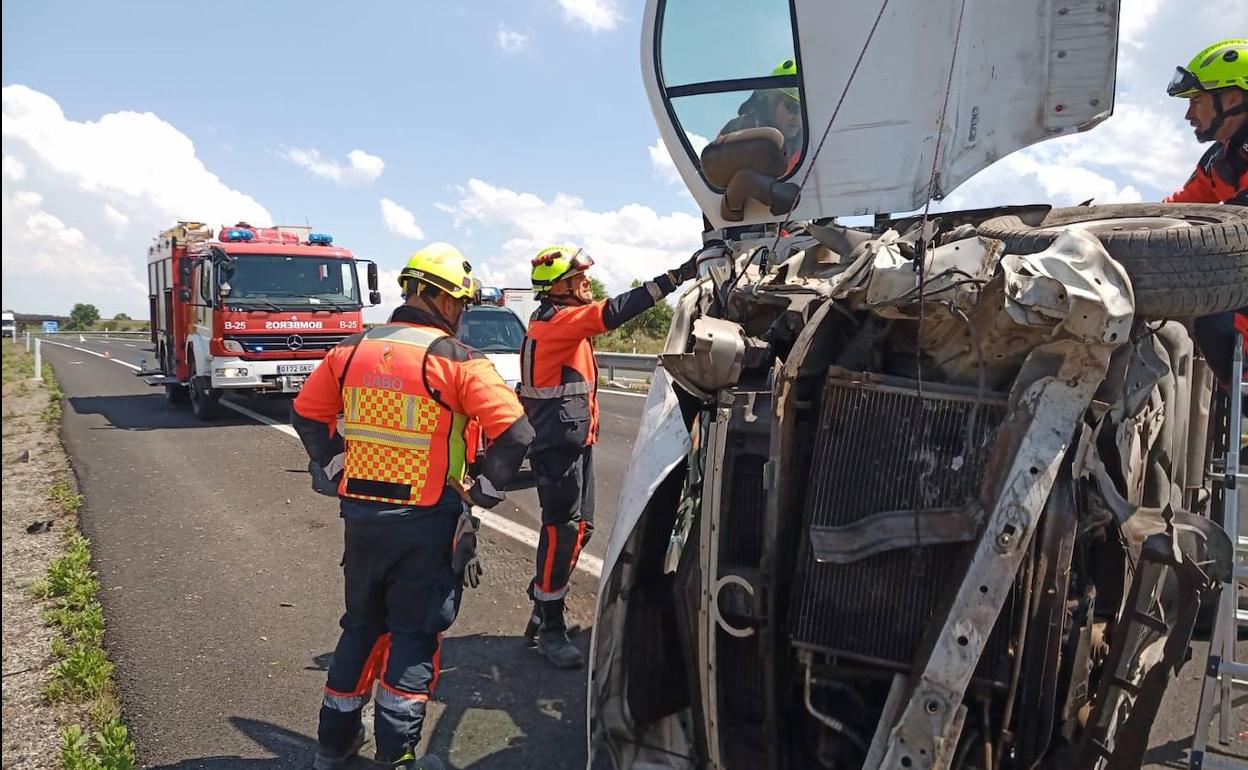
(553, 641)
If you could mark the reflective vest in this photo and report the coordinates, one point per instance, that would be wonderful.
(402, 443)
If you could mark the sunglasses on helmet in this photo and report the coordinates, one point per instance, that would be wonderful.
(1183, 82)
(580, 260)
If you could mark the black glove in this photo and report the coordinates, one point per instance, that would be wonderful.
(464, 559)
(687, 271)
(325, 481)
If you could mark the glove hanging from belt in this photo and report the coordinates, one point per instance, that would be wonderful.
(464, 559)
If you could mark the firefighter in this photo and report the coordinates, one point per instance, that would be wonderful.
(559, 382)
(1215, 84)
(405, 392)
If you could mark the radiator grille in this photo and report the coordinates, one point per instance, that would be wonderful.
(742, 543)
(271, 343)
(867, 460)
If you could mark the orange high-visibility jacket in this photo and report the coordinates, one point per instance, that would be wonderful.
(406, 393)
(1221, 176)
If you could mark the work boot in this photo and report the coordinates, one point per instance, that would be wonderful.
(559, 650)
(331, 760)
(552, 640)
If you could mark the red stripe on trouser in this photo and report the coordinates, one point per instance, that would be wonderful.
(373, 666)
(437, 665)
(576, 551)
(552, 533)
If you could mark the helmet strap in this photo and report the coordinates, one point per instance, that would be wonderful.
(1221, 114)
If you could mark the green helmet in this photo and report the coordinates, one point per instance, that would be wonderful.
(788, 67)
(1222, 65)
(554, 263)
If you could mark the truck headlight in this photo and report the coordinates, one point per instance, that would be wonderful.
(232, 346)
(231, 371)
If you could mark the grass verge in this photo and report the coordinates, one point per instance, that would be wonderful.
(81, 679)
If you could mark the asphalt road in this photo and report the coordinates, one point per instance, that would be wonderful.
(222, 588)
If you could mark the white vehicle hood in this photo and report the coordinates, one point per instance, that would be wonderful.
(508, 366)
(1024, 71)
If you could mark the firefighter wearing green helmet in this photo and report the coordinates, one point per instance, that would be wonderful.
(559, 391)
(778, 108)
(1215, 84)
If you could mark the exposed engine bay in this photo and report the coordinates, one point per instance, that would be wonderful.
(922, 495)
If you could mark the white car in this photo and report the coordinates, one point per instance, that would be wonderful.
(497, 332)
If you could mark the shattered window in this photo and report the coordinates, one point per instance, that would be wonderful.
(730, 66)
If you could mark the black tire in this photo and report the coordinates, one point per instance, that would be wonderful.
(1177, 270)
(177, 394)
(205, 402)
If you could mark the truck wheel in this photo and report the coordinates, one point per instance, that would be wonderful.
(205, 402)
(177, 394)
(1184, 259)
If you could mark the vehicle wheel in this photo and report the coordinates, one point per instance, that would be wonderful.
(205, 402)
(1184, 259)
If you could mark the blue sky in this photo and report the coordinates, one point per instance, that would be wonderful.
(497, 125)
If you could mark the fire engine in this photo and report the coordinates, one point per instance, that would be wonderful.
(251, 311)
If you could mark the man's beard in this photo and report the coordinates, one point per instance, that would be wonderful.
(1206, 134)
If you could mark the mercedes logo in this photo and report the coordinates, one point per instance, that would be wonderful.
(294, 342)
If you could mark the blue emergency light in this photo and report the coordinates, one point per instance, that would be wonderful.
(237, 234)
(323, 239)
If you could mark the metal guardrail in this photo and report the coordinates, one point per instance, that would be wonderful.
(628, 362)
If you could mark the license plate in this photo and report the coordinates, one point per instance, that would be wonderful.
(295, 368)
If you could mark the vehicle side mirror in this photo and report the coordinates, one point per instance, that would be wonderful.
(372, 281)
(745, 164)
(374, 297)
(755, 149)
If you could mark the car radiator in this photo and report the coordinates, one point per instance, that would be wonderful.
(881, 447)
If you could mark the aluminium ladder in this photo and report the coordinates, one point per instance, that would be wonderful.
(1222, 671)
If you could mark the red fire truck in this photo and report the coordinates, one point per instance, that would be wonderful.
(253, 310)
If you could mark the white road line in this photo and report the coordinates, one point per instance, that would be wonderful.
(93, 353)
(129, 345)
(519, 532)
(623, 393)
(269, 421)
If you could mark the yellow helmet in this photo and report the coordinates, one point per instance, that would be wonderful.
(554, 263)
(441, 266)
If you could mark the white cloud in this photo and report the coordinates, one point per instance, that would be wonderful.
(13, 168)
(661, 159)
(631, 242)
(61, 244)
(510, 40)
(400, 221)
(118, 219)
(1135, 20)
(598, 15)
(361, 168)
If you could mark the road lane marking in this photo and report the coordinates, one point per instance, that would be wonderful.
(127, 344)
(93, 353)
(623, 393)
(587, 563)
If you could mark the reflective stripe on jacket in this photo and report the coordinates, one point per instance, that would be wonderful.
(559, 375)
(1221, 176)
(406, 392)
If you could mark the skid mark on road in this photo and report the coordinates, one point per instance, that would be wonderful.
(587, 563)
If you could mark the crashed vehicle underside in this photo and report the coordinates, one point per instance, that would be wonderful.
(920, 497)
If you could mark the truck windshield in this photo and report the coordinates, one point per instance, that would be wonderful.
(290, 282)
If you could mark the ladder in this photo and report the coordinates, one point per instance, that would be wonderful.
(1222, 670)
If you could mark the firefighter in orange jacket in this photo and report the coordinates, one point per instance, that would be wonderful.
(406, 392)
(559, 383)
(1215, 84)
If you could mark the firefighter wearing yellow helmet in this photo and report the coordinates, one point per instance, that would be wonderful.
(559, 385)
(406, 392)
